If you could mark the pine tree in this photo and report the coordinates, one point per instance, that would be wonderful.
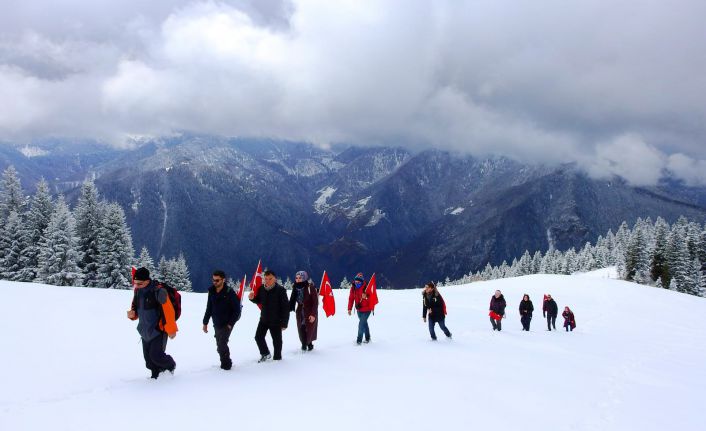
(288, 284)
(38, 216)
(658, 265)
(11, 196)
(180, 274)
(345, 284)
(637, 258)
(115, 252)
(58, 254)
(89, 218)
(678, 260)
(12, 244)
(145, 261)
(164, 271)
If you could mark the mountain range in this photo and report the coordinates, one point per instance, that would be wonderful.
(408, 216)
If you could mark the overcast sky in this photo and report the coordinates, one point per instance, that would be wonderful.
(617, 86)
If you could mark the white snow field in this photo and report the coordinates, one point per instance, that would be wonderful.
(637, 361)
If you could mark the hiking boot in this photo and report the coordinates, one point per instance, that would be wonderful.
(303, 347)
(155, 374)
(358, 342)
(367, 340)
(263, 358)
(277, 358)
(226, 366)
(433, 338)
(310, 347)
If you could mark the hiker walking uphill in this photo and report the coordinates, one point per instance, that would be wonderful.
(156, 315)
(363, 307)
(526, 309)
(274, 315)
(304, 302)
(223, 306)
(550, 310)
(434, 308)
(497, 310)
(569, 319)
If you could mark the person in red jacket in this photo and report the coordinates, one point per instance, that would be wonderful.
(363, 308)
(569, 320)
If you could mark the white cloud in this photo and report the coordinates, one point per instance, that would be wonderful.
(611, 86)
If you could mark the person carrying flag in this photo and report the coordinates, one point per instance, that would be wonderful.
(304, 302)
(223, 305)
(361, 297)
(274, 315)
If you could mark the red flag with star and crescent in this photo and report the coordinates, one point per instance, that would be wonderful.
(329, 302)
(256, 281)
(372, 292)
(241, 289)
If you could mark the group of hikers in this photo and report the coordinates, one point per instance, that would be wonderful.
(550, 310)
(157, 306)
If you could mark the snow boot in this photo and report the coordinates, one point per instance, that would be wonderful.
(264, 358)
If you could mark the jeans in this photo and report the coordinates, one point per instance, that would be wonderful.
(551, 322)
(442, 325)
(222, 336)
(363, 328)
(156, 360)
(276, 332)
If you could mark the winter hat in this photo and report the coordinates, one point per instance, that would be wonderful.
(142, 274)
(303, 275)
(359, 276)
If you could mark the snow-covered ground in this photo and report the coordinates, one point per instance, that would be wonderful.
(72, 361)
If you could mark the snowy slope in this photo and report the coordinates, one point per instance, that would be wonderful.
(72, 361)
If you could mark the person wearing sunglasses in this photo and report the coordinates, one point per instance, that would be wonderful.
(223, 306)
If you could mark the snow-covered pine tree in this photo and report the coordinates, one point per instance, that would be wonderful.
(58, 256)
(288, 283)
(165, 271)
(115, 252)
(658, 264)
(11, 196)
(181, 276)
(678, 260)
(345, 284)
(36, 223)
(145, 261)
(89, 218)
(12, 243)
(536, 262)
(695, 280)
(637, 258)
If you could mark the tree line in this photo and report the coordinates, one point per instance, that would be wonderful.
(651, 253)
(43, 241)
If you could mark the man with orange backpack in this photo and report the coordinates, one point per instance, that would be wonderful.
(156, 315)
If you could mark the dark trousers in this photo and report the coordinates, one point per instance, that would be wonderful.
(526, 322)
(569, 328)
(497, 324)
(276, 332)
(156, 360)
(222, 336)
(442, 325)
(363, 328)
(551, 322)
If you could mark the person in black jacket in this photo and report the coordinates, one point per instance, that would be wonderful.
(526, 309)
(223, 306)
(274, 315)
(497, 310)
(550, 311)
(434, 306)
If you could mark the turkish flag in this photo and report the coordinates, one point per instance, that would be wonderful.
(133, 270)
(372, 292)
(329, 303)
(241, 288)
(256, 281)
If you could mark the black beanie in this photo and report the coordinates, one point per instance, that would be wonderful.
(142, 274)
